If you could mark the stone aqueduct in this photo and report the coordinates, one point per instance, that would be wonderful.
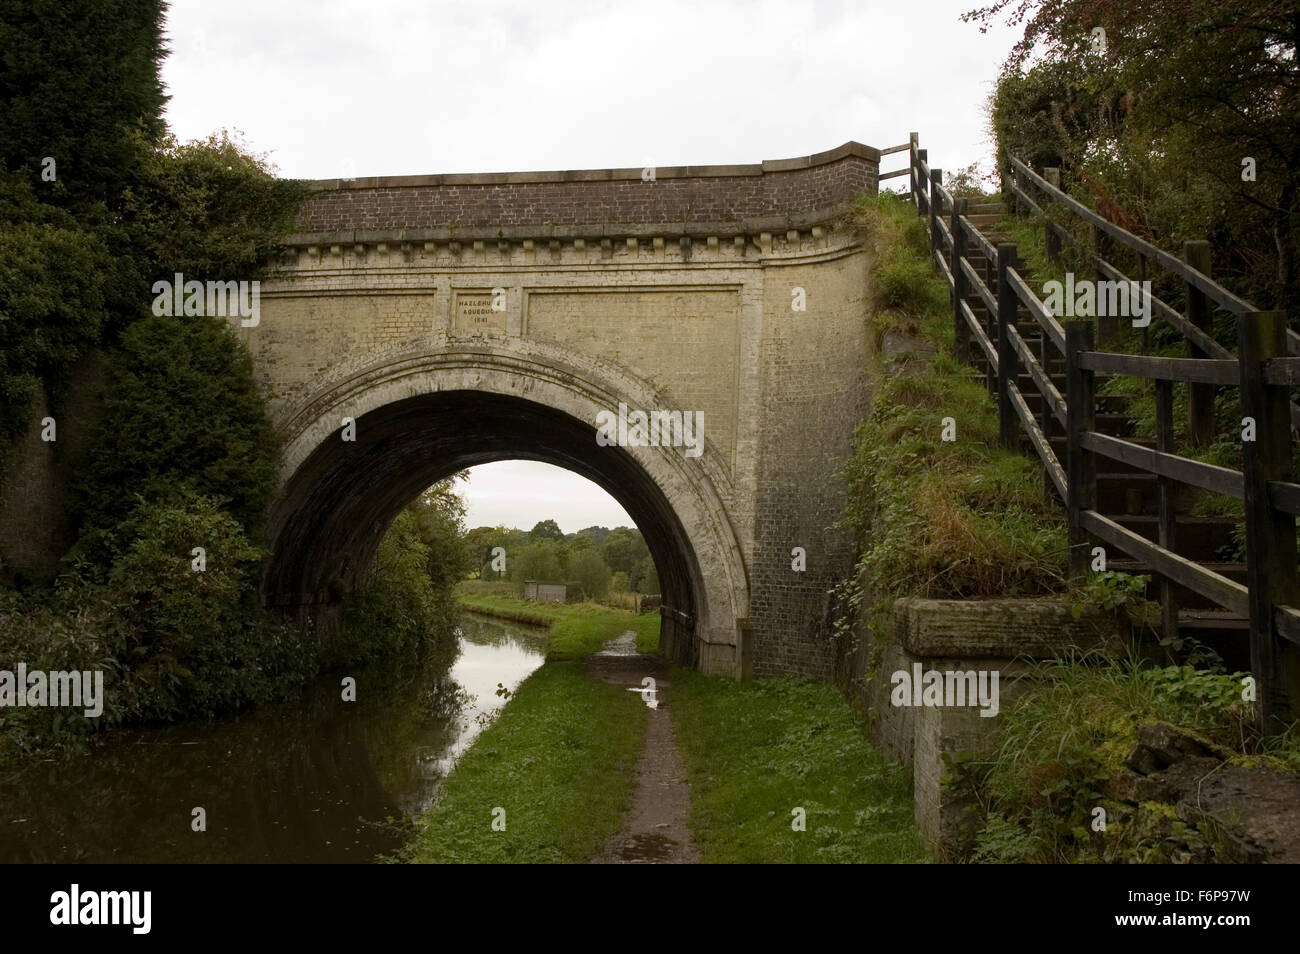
(672, 288)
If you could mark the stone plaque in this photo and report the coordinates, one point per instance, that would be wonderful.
(475, 313)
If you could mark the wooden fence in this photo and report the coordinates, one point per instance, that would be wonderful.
(1263, 368)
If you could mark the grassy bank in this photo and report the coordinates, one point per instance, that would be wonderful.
(938, 507)
(756, 751)
(559, 761)
(576, 629)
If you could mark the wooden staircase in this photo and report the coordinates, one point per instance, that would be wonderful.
(1124, 494)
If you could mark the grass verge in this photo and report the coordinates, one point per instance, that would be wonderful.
(559, 760)
(756, 751)
(576, 628)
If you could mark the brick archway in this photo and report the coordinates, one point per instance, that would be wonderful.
(438, 407)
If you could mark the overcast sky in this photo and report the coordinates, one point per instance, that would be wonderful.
(343, 88)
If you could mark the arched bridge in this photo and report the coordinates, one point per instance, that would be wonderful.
(461, 319)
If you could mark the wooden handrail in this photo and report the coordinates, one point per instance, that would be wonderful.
(1260, 369)
(1211, 477)
(1204, 283)
(1201, 370)
(1042, 314)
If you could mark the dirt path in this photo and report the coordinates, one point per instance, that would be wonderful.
(656, 829)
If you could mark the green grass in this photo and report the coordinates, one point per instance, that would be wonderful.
(755, 751)
(559, 760)
(576, 628)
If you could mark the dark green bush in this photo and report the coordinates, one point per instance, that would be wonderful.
(397, 607)
(182, 417)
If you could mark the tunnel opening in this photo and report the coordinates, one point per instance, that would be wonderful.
(337, 505)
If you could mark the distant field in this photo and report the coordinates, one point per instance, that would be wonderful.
(576, 629)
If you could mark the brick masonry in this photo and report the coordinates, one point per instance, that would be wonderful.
(682, 288)
(707, 194)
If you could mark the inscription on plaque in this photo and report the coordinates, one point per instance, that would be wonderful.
(474, 314)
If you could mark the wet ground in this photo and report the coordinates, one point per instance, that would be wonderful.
(656, 829)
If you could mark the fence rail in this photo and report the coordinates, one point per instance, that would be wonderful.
(1021, 342)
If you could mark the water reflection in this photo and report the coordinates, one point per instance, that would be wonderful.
(310, 780)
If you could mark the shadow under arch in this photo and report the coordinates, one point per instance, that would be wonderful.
(439, 406)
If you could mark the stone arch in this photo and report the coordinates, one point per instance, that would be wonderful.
(435, 405)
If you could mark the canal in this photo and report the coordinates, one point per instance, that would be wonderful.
(314, 780)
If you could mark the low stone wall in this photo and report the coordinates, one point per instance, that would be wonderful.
(1002, 636)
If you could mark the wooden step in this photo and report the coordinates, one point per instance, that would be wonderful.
(1185, 599)
(1198, 538)
(1221, 630)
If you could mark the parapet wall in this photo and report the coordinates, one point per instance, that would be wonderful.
(780, 194)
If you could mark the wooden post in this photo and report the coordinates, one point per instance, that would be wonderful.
(1081, 417)
(1166, 534)
(1045, 415)
(991, 322)
(1107, 326)
(1200, 397)
(1008, 365)
(1141, 279)
(936, 208)
(959, 331)
(913, 141)
(922, 196)
(1270, 533)
(1051, 241)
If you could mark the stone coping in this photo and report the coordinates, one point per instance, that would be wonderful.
(777, 225)
(848, 149)
(1038, 628)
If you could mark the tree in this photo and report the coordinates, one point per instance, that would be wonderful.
(536, 561)
(182, 416)
(596, 535)
(623, 550)
(546, 530)
(587, 567)
(52, 297)
(647, 577)
(1161, 119)
(439, 522)
(80, 83)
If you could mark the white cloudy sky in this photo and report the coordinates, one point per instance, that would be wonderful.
(334, 88)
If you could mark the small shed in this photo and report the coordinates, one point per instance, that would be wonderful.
(543, 591)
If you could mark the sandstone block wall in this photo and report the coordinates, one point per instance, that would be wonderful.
(1003, 636)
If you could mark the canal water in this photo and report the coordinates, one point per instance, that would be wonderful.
(315, 780)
